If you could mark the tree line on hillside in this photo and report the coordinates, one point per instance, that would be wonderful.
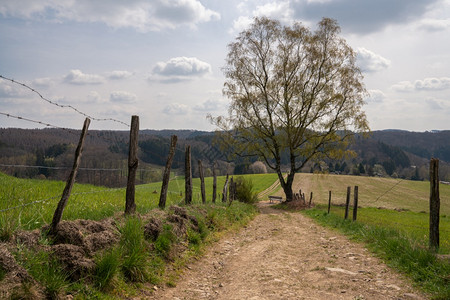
(106, 150)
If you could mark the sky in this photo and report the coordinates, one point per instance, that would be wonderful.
(162, 59)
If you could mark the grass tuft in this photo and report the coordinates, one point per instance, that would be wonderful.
(164, 242)
(46, 271)
(7, 227)
(134, 250)
(108, 265)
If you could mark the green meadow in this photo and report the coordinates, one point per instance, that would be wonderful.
(30, 203)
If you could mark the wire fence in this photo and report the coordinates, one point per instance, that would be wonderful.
(16, 198)
(61, 105)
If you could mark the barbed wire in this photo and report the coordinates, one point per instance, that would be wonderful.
(38, 122)
(68, 168)
(62, 105)
(29, 203)
(387, 191)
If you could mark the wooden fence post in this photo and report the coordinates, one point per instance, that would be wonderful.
(310, 199)
(355, 203)
(202, 181)
(347, 203)
(133, 162)
(214, 195)
(225, 190)
(187, 176)
(57, 216)
(329, 201)
(166, 176)
(434, 204)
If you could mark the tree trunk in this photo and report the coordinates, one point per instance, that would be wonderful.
(287, 185)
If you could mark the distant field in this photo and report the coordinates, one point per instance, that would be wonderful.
(373, 191)
(37, 199)
(405, 202)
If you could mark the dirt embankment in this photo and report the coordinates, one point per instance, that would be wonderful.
(282, 255)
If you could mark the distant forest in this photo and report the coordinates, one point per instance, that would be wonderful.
(48, 153)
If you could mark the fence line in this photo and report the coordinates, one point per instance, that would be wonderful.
(61, 105)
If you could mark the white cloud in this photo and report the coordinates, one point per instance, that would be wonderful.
(119, 75)
(433, 25)
(430, 84)
(371, 62)
(376, 96)
(403, 86)
(435, 104)
(176, 109)
(43, 82)
(211, 105)
(362, 16)
(95, 97)
(279, 10)
(180, 68)
(427, 84)
(141, 15)
(240, 24)
(122, 97)
(10, 90)
(78, 77)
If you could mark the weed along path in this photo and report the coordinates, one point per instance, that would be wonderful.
(283, 255)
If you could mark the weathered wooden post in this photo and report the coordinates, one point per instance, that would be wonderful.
(133, 162)
(187, 176)
(57, 216)
(202, 181)
(310, 199)
(434, 204)
(329, 201)
(347, 203)
(355, 203)
(166, 176)
(225, 190)
(214, 195)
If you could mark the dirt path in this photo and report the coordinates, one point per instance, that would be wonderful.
(282, 255)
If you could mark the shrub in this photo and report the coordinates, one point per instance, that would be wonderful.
(244, 190)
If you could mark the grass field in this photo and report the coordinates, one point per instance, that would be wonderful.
(87, 201)
(391, 203)
(373, 191)
(37, 199)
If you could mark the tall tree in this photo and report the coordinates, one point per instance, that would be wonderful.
(294, 93)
